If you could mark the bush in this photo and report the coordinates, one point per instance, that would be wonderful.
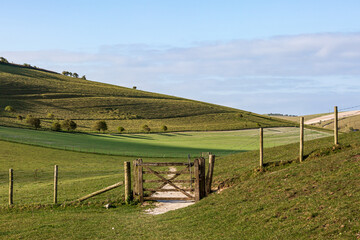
(146, 128)
(9, 109)
(33, 121)
(19, 117)
(3, 60)
(56, 126)
(121, 129)
(50, 115)
(100, 125)
(68, 124)
(164, 128)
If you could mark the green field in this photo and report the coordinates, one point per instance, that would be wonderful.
(178, 144)
(317, 199)
(40, 93)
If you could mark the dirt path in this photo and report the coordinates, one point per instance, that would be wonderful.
(331, 116)
(165, 206)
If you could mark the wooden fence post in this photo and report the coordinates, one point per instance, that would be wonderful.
(140, 181)
(135, 173)
(127, 176)
(11, 186)
(197, 179)
(301, 153)
(336, 127)
(55, 183)
(261, 147)
(210, 172)
(202, 178)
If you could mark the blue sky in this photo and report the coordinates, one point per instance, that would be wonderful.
(295, 57)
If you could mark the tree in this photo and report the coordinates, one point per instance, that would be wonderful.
(164, 128)
(9, 109)
(68, 124)
(100, 125)
(33, 121)
(75, 75)
(19, 117)
(50, 115)
(56, 126)
(83, 77)
(66, 73)
(146, 128)
(121, 129)
(3, 60)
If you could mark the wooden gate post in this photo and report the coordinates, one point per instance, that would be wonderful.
(210, 172)
(301, 153)
(197, 179)
(11, 186)
(261, 147)
(55, 183)
(127, 180)
(202, 178)
(140, 181)
(336, 127)
(135, 173)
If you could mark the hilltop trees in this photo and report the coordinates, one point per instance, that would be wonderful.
(3, 60)
(70, 74)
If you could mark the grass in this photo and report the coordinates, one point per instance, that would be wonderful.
(317, 199)
(178, 144)
(35, 92)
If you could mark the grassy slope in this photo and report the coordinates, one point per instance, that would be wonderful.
(317, 199)
(38, 93)
(159, 145)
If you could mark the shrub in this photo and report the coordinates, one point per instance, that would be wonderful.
(3, 60)
(56, 126)
(146, 128)
(9, 109)
(19, 117)
(50, 115)
(121, 129)
(33, 121)
(100, 125)
(164, 128)
(68, 124)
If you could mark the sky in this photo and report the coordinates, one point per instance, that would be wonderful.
(290, 57)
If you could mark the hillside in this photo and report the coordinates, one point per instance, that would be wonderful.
(317, 199)
(40, 93)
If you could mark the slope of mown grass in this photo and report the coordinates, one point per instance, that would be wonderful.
(178, 144)
(317, 199)
(39, 93)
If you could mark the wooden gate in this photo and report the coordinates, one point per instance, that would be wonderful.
(192, 185)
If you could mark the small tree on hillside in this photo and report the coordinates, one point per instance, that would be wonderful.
(33, 121)
(68, 124)
(3, 60)
(100, 125)
(50, 115)
(121, 129)
(19, 117)
(83, 77)
(75, 75)
(146, 128)
(9, 109)
(164, 128)
(56, 126)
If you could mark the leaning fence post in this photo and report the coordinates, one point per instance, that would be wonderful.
(210, 172)
(55, 183)
(301, 153)
(140, 181)
(261, 147)
(127, 176)
(11, 186)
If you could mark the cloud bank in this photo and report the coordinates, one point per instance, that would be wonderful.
(261, 75)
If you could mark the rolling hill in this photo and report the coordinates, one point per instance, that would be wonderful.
(41, 93)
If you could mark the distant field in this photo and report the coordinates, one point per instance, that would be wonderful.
(178, 144)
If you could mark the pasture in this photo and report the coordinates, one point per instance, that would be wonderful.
(178, 144)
